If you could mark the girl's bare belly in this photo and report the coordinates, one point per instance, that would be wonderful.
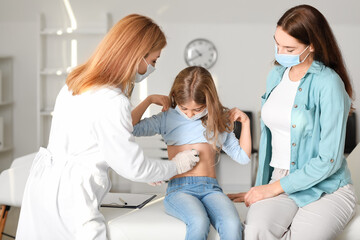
(205, 167)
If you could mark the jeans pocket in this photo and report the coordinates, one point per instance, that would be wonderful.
(212, 187)
(173, 189)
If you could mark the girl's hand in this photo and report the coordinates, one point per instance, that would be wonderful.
(262, 192)
(237, 197)
(236, 114)
(154, 184)
(161, 100)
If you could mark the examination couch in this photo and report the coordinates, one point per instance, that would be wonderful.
(150, 222)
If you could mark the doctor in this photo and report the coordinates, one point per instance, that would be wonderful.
(92, 131)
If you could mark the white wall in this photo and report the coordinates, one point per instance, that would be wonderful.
(241, 30)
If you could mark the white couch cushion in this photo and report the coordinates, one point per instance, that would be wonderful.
(352, 230)
(151, 222)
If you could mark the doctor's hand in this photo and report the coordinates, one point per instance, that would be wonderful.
(186, 160)
(160, 100)
(236, 114)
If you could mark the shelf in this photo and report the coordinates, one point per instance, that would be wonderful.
(6, 113)
(48, 112)
(6, 149)
(61, 48)
(6, 103)
(55, 71)
(65, 32)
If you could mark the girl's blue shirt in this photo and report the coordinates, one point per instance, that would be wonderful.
(318, 125)
(177, 130)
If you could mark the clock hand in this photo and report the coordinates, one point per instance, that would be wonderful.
(198, 55)
(194, 57)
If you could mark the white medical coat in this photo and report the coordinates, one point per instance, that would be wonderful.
(89, 133)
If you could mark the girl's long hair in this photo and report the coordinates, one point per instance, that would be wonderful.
(309, 26)
(196, 84)
(117, 57)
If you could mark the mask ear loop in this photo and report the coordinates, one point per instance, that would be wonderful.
(306, 55)
(139, 65)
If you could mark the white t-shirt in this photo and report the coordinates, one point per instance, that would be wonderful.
(276, 114)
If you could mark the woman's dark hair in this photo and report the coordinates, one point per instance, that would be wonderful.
(309, 26)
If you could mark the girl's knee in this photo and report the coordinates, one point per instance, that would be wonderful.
(198, 227)
(199, 222)
(231, 229)
(232, 225)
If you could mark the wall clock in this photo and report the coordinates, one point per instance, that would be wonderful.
(200, 52)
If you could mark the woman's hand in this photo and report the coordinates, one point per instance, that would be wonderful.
(237, 197)
(262, 192)
(161, 100)
(236, 114)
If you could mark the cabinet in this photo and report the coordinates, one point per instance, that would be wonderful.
(6, 111)
(60, 50)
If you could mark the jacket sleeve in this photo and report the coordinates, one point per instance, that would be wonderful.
(113, 130)
(334, 107)
(149, 126)
(232, 148)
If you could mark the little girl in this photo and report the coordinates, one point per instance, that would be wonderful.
(197, 120)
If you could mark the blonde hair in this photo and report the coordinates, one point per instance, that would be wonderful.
(196, 84)
(117, 57)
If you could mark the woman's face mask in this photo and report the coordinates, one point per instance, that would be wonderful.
(139, 77)
(194, 117)
(289, 60)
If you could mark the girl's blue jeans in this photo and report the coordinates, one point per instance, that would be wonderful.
(199, 201)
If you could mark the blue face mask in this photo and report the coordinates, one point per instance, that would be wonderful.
(288, 60)
(139, 77)
(193, 118)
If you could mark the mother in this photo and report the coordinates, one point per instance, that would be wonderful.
(304, 189)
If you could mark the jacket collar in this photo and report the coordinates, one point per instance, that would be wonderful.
(315, 68)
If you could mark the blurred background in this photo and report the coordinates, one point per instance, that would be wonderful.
(41, 40)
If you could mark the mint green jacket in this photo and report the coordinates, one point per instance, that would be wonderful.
(318, 123)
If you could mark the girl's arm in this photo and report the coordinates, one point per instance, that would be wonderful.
(137, 112)
(245, 136)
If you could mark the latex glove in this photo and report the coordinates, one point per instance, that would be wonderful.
(154, 184)
(186, 160)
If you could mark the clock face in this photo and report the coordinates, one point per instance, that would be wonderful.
(200, 52)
